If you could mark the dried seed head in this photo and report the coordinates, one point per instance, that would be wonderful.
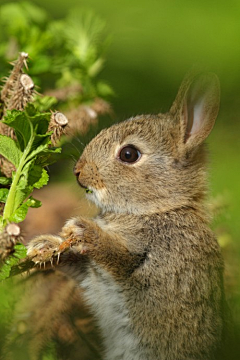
(19, 87)
(14, 75)
(57, 124)
(8, 238)
(22, 93)
(24, 57)
(13, 229)
(60, 119)
(26, 82)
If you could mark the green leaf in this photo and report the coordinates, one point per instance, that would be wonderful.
(41, 140)
(33, 203)
(3, 195)
(41, 122)
(9, 150)
(30, 109)
(5, 180)
(41, 179)
(5, 271)
(19, 253)
(22, 192)
(40, 149)
(20, 123)
(44, 103)
(21, 213)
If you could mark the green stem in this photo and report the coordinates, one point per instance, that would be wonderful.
(9, 206)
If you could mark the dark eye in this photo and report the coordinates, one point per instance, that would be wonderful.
(129, 154)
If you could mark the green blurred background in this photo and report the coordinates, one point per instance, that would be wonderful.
(153, 44)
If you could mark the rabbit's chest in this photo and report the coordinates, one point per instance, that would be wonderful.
(108, 303)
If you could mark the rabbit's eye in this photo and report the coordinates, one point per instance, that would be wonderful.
(129, 154)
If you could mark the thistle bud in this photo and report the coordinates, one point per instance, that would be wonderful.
(57, 124)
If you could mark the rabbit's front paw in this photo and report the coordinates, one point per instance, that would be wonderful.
(78, 232)
(43, 248)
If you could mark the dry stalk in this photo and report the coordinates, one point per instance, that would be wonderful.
(14, 76)
(8, 238)
(17, 91)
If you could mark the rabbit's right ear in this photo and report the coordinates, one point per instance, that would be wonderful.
(196, 108)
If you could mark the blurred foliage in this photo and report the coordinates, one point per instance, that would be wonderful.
(64, 52)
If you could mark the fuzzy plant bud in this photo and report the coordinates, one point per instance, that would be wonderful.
(8, 238)
(19, 87)
(26, 82)
(57, 124)
(14, 76)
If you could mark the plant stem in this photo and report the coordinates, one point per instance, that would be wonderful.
(9, 206)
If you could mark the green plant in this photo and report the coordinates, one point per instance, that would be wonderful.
(67, 67)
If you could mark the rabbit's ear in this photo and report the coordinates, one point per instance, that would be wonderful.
(196, 107)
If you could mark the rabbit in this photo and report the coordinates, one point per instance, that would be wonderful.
(150, 267)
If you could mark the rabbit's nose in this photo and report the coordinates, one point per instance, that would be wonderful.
(76, 171)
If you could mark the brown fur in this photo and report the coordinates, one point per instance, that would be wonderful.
(152, 235)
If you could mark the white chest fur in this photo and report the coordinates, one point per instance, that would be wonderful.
(108, 303)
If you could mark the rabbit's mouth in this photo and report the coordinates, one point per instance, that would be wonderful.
(88, 191)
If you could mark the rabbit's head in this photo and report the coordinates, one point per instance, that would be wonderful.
(153, 163)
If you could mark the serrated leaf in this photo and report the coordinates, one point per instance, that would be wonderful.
(30, 109)
(6, 268)
(5, 271)
(41, 140)
(23, 189)
(21, 125)
(41, 122)
(40, 149)
(3, 195)
(20, 214)
(42, 179)
(34, 174)
(20, 251)
(5, 181)
(9, 150)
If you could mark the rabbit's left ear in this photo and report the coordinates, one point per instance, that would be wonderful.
(196, 106)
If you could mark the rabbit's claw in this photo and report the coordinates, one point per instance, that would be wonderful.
(43, 248)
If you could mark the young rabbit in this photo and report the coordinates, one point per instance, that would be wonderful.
(149, 264)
